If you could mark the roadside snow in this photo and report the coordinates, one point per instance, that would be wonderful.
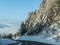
(39, 39)
(29, 38)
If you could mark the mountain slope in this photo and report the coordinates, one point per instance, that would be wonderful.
(45, 21)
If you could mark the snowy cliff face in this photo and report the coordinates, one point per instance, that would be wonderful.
(44, 21)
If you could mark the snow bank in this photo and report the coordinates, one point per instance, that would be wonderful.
(39, 39)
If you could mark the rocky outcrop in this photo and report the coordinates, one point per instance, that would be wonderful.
(45, 20)
(47, 14)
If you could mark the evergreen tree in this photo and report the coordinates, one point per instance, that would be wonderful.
(23, 29)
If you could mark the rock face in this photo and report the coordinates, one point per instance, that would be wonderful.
(45, 20)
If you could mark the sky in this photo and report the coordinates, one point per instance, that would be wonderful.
(16, 11)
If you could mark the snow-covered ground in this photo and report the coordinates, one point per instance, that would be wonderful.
(45, 36)
(29, 38)
(39, 39)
